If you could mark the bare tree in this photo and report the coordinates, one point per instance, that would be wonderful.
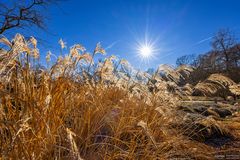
(222, 43)
(22, 14)
(186, 59)
(224, 57)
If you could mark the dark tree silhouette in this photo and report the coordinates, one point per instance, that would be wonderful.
(186, 59)
(22, 14)
(222, 43)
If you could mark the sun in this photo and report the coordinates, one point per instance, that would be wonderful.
(145, 51)
(146, 48)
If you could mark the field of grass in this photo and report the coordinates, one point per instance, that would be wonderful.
(80, 109)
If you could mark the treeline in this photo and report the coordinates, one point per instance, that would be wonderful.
(224, 58)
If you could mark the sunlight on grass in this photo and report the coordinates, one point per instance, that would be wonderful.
(80, 109)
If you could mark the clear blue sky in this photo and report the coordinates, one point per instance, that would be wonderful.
(177, 25)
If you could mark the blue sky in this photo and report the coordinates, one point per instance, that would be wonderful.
(176, 25)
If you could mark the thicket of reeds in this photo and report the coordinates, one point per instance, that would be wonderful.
(76, 108)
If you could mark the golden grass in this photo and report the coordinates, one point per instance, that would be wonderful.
(77, 110)
(217, 84)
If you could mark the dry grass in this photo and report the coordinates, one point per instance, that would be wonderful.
(217, 84)
(77, 110)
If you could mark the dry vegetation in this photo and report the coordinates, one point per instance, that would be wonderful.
(78, 109)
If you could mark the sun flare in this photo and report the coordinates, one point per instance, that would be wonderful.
(145, 51)
(147, 48)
